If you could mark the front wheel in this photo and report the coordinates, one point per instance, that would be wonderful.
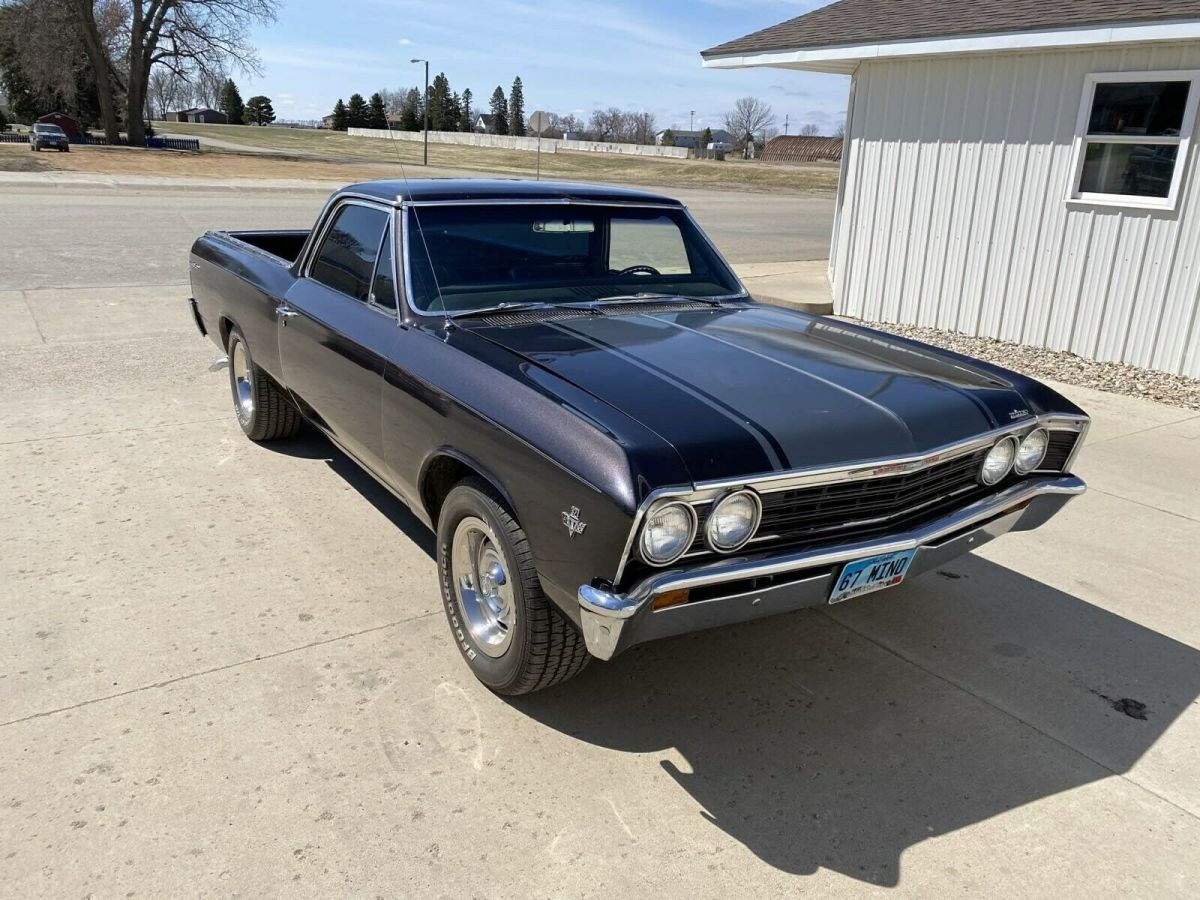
(512, 636)
(263, 410)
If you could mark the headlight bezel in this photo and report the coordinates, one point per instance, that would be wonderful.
(711, 542)
(655, 510)
(1010, 440)
(1026, 470)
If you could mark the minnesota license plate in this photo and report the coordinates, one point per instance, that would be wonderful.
(871, 574)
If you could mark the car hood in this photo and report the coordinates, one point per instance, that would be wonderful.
(754, 389)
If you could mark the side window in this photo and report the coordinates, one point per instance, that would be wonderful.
(654, 242)
(346, 258)
(383, 288)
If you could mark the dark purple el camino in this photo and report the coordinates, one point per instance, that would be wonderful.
(612, 440)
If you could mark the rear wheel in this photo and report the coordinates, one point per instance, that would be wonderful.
(263, 410)
(512, 636)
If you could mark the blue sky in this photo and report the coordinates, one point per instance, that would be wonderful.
(572, 55)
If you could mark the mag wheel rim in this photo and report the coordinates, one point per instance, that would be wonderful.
(243, 384)
(482, 586)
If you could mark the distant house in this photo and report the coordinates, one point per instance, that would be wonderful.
(1018, 170)
(327, 121)
(69, 124)
(802, 148)
(692, 138)
(483, 123)
(199, 115)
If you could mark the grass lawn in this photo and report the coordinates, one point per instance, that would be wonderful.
(336, 147)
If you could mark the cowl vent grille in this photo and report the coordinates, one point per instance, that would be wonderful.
(534, 316)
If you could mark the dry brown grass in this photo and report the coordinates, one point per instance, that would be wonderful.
(333, 156)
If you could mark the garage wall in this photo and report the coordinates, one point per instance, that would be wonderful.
(954, 214)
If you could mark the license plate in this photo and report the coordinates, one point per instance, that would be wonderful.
(872, 574)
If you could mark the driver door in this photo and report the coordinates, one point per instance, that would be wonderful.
(337, 325)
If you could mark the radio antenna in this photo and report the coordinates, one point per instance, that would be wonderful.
(448, 324)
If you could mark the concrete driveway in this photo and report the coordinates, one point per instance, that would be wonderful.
(227, 673)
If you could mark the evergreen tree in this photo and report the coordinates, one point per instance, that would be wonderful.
(259, 111)
(706, 138)
(356, 112)
(376, 114)
(340, 118)
(231, 103)
(410, 111)
(499, 111)
(3, 121)
(668, 139)
(466, 116)
(516, 108)
(439, 104)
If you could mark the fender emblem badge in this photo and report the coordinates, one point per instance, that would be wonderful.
(574, 524)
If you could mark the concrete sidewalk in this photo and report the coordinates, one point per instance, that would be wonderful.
(803, 284)
(227, 672)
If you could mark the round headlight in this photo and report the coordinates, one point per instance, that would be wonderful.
(732, 521)
(998, 461)
(668, 532)
(1032, 451)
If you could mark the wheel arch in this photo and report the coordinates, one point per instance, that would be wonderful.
(445, 468)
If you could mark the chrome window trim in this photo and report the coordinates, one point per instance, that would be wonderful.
(328, 213)
(774, 482)
(405, 205)
(545, 201)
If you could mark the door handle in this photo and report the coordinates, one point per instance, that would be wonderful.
(285, 312)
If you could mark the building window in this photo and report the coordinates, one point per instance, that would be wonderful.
(1132, 139)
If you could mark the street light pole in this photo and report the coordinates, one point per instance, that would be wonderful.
(426, 105)
(691, 117)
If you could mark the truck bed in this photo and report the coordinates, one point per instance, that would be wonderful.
(286, 245)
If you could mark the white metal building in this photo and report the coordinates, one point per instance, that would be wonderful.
(1021, 170)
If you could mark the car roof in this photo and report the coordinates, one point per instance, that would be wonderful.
(485, 189)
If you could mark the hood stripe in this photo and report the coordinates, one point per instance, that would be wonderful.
(770, 446)
(861, 398)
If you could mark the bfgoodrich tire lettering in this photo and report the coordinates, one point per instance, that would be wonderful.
(542, 647)
(263, 410)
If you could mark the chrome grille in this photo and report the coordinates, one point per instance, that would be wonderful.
(856, 510)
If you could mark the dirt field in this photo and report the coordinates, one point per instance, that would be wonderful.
(296, 153)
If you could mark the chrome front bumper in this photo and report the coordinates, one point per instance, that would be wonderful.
(766, 586)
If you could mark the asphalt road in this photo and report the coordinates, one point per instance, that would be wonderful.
(76, 235)
(226, 670)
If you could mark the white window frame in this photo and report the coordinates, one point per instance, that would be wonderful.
(1182, 141)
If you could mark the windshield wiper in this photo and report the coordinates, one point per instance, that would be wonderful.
(646, 297)
(499, 307)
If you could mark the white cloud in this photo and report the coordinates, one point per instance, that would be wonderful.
(404, 42)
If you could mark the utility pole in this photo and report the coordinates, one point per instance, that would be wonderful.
(426, 105)
(785, 123)
(691, 117)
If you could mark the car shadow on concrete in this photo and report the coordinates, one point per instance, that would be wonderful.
(311, 444)
(839, 738)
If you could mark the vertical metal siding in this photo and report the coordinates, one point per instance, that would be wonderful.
(955, 213)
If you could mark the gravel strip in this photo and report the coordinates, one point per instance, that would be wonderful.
(1059, 365)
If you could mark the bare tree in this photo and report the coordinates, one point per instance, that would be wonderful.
(641, 127)
(840, 131)
(188, 37)
(166, 91)
(749, 116)
(810, 130)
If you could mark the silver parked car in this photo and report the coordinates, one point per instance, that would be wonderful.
(48, 137)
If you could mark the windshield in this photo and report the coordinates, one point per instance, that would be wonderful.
(47, 129)
(470, 256)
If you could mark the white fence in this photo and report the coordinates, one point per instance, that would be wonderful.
(626, 149)
(509, 142)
